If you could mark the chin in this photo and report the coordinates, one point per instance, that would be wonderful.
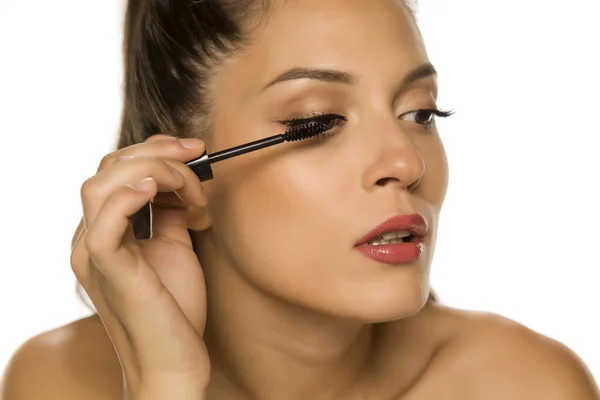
(385, 303)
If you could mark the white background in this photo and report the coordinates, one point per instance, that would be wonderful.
(519, 233)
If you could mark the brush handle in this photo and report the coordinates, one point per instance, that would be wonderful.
(202, 165)
(245, 148)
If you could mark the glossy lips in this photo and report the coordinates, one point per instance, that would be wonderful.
(396, 253)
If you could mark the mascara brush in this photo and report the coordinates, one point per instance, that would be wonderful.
(202, 165)
(142, 220)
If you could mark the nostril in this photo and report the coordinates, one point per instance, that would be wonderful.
(413, 186)
(410, 188)
(385, 181)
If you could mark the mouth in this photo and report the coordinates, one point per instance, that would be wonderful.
(396, 230)
(395, 237)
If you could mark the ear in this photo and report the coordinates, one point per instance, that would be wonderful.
(198, 218)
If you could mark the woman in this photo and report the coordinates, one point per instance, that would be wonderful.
(271, 281)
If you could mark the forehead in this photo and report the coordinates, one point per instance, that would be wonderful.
(345, 34)
(375, 40)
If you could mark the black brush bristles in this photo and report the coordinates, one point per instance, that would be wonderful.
(307, 131)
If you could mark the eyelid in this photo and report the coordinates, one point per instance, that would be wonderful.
(333, 121)
(435, 111)
(314, 117)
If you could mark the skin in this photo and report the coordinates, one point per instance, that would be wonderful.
(294, 311)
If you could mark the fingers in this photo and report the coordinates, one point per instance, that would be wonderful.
(108, 229)
(170, 175)
(78, 234)
(147, 326)
(112, 248)
(160, 146)
(96, 190)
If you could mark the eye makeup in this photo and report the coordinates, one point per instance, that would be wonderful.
(423, 118)
(331, 121)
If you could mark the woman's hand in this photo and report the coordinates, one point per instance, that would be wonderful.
(150, 294)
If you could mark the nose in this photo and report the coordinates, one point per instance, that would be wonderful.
(393, 160)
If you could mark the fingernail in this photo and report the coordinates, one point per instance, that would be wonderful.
(144, 185)
(193, 144)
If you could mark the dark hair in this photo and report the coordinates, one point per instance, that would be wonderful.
(170, 50)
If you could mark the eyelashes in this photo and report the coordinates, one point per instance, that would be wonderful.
(332, 121)
(424, 118)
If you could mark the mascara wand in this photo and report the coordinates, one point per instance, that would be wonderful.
(142, 220)
(202, 165)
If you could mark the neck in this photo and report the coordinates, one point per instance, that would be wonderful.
(264, 348)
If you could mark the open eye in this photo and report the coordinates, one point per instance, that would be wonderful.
(425, 117)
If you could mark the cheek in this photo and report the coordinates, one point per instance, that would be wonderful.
(277, 225)
(435, 181)
(277, 211)
(282, 204)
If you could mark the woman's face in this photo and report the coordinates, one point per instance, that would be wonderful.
(287, 218)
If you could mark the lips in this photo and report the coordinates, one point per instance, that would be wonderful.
(396, 253)
(414, 224)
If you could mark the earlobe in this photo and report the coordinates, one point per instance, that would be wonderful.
(198, 218)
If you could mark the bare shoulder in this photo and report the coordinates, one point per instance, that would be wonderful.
(75, 361)
(492, 357)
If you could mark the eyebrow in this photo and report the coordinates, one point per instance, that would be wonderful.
(345, 78)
